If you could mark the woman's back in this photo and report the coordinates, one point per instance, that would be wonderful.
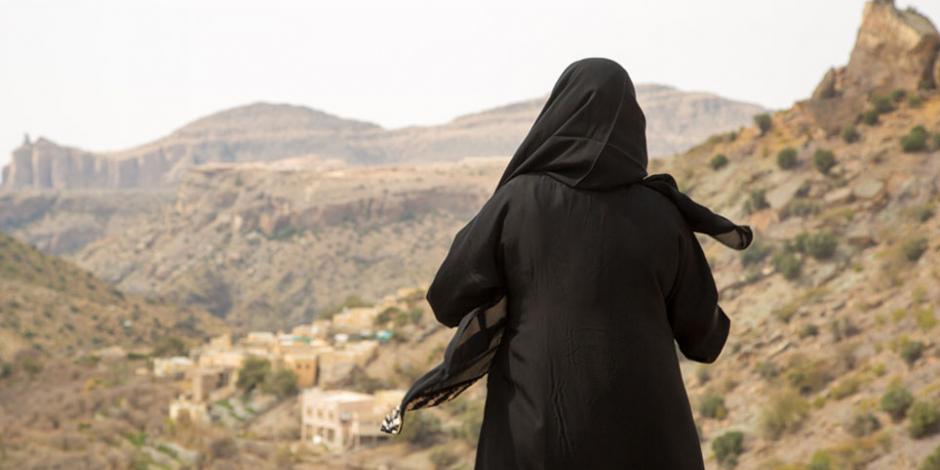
(588, 374)
(602, 275)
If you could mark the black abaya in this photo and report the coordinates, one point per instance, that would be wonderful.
(601, 276)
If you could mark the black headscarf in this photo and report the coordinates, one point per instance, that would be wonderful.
(591, 134)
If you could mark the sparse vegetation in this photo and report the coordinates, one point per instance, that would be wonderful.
(253, 373)
(911, 351)
(819, 245)
(850, 134)
(718, 161)
(882, 104)
(787, 264)
(728, 447)
(932, 462)
(713, 406)
(896, 400)
(756, 201)
(923, 419)
(915, 100)
(763, 122)
(863, 424)
(785, 412)
(786, 158)
(870, 117)
(898, 95)
(756, 254)
(915, 140)
(824, 160)
(914, 248)
(443, 458)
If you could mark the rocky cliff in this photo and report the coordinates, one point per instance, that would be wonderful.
(268, 132)
(894, 50)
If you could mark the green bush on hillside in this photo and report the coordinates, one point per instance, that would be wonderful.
(756, 200)
(786, 158)
(763, 122)
(923, 419)
(911, 351)
(718, 161)
(932, 462)
(819, 245)
(713, 406)
(787, 264)
(898, 95)
(914, 248)
(784, 413)
(915, 140)
(728, 447)
(824, 160)
(896, 400)
(850, 134)
(882, 104)
(869, 117)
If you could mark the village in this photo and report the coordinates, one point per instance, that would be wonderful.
(312, 357)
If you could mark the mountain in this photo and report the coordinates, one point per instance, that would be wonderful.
(269, 132)
(265, 246)
(52, 307)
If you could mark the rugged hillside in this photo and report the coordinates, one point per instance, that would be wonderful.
(267, 132)
(263, 246)
(54, 308)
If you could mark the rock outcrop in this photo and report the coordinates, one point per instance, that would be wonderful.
(894, 50)
(268, 132)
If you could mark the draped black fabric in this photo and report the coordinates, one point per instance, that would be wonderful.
(570, 289)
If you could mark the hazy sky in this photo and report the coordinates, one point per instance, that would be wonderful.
(111, 74)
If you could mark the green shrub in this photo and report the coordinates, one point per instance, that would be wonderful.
(718, 161)
(819, 245)
(915, 140)
(932, 462)
(911, 351)
(755, 254)
(850, 134)
(787, 264)
(756, 200)
(915, 100)
(863, 424)
(882, 104)
(763, 122)
(923, 213)
(786, 158)
(807, 375)
(767, 370)
(728, 447)
(713, 406)
(935, 140)
(800, 207)
(913, 249)
(820, 461)
(896, 400)
(870, 117)
(824, 160)
(808, 330)
(898, 95)
(784, 413)
(923, 419)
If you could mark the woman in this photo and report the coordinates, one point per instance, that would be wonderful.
(601, 275)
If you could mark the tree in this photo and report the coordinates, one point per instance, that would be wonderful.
(169, 346)
(282, 383)
(763, 122)
(253, 373)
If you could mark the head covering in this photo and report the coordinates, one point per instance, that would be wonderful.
(591, 132)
